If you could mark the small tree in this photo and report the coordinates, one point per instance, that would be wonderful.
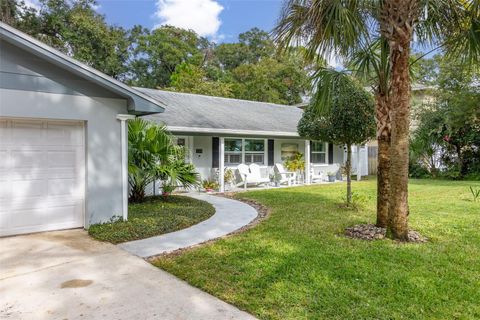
(349, 120)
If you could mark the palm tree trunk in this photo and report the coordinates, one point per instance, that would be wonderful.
(397, 20)
(398, 208)
(348, 171)
(383, 158)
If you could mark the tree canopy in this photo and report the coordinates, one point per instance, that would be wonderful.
(167, 57)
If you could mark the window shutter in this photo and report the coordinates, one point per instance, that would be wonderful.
(311, 151)
(215, 152)
(330, 153)
(271, 146)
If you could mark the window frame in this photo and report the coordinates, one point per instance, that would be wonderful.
(312, 152)
(243, 152)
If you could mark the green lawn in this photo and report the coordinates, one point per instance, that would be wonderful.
(153, 217)
(298, 265)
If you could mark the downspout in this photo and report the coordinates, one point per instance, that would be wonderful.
(123, 127)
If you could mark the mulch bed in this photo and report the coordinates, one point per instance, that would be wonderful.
(371, 232)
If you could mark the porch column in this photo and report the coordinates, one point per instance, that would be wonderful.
(307, 161)
(221, 165)
(359, 172)
(124, 141)
(190, 149)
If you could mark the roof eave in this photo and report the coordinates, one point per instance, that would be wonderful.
(138, 103)
(231, 132)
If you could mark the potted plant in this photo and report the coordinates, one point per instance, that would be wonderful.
(167, 190)
(209, 185)
(331, 176)
(228, 177)
(296, 163)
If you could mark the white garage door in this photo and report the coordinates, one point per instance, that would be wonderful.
(42, 174)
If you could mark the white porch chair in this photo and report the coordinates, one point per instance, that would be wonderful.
(287, 177)
(256, 175)
(250, 175)
(316, 177)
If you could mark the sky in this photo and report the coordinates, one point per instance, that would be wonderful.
(218, 20)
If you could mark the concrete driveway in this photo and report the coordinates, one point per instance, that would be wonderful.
(67, 275)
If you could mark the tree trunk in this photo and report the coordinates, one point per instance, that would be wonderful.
(348, 171)
(398, 208)
(383, 158)
(397, 20)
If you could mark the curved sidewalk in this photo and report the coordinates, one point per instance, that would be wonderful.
(230, 215)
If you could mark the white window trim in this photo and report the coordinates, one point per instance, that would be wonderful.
(318, 164)
(243, 152)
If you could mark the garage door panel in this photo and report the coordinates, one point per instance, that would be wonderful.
(23, 190)
(41, 176)
(64, 187)
(64, 134)
(27, 159)
(27, 133)
(62, 159)
(37, 217)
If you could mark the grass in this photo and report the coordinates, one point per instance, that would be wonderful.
(153, 217)
(298, 265)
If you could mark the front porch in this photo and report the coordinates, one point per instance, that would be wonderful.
(213, 156)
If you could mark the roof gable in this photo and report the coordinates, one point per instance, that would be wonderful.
(138, 103)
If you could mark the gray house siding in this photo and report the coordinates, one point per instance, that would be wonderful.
(21, 70)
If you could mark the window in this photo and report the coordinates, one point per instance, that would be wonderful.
(244, 151)
(254, 151)
(318, 152)
(233, 151)
(181, 142)
(289, 150)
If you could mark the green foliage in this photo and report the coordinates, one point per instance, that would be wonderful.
(229, 176)
(152, 155)
(193, 79)
(153, 217)
(75, 28)
(475, 193)
(158, 52)
(298, 265)
(208, 184)
(446, 140)
(295, 163)
(249, 69)
(350, 118)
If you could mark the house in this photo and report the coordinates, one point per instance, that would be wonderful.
(223, 132)
(63, 150)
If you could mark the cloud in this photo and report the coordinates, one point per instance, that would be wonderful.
(35, 4)
(202, 16)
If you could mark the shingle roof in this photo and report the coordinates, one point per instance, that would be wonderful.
(198, 113)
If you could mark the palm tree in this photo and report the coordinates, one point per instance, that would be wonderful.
(153, 155)
(342, 27)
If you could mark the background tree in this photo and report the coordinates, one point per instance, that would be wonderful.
(447, 127)
(193, 79)
(157, 53)
(76, 29)
(349, 121)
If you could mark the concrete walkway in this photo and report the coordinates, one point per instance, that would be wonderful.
(230, 215)
(67, 275)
